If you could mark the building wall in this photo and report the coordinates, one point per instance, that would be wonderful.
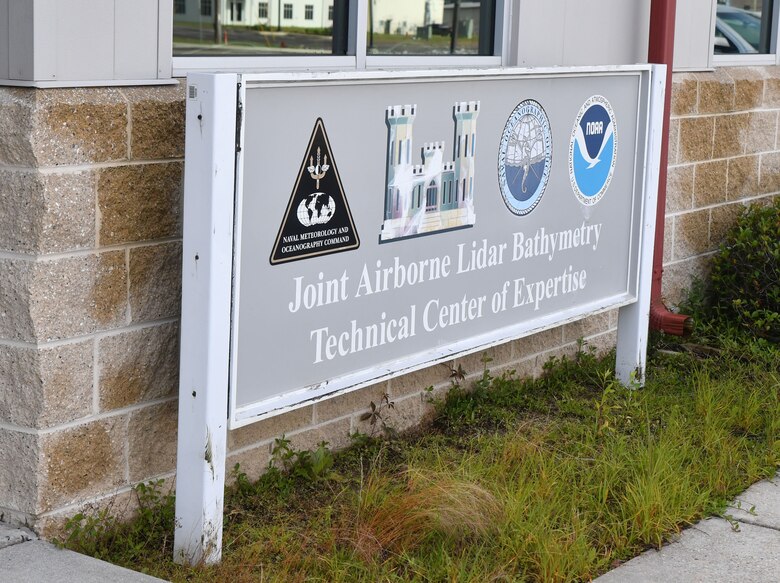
(90, 254)
(723, 153)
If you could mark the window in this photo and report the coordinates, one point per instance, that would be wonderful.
(180, 6)
(424, 27)
(744, 27)
(362, 33)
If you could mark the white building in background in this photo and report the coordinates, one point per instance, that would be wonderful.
(285, 13)
(404, 16)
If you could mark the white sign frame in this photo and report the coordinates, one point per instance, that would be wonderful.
(214, 139)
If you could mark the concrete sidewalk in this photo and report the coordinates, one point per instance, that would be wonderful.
(710, 551)
(24, 559)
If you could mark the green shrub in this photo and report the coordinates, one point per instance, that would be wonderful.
(746, 272)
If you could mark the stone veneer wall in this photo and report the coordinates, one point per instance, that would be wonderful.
(724, 153)
(90, 251)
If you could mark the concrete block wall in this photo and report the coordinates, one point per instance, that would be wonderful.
(90, 253)
(724, 153)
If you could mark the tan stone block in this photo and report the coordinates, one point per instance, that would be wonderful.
(352, 402)
(762, 129)
(158, 121)
(716, 92)
(405, 414)
(140, 202)
(678, 278)
(769, 174)
(585, 327)
(336, 433)
(685, 94)
(538, 342)
(47, 212)
(66, 382)
(490, 359)
(15, 320)
(748, 87)
(691, 234)
(673, 154)
(82, 462)
(731, 133)
(413, 383)
(679, 188)
(253, 463)
(668, 238)
(19, 471)
(603, 343)
(80, 126)
(271, 428)
(749, 94)
(721, 220)
(743, 177)
(155, 282)
(138, 365)
(152, 434)
(771, 92)
(696, 139)
(710, 183)
(17, 107)
(78, 295)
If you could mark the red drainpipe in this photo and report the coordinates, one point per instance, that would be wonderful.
(661, 50)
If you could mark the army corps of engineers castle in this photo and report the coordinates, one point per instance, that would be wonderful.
(435, 195)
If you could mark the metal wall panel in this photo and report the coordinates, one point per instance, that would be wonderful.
(4, 46)
(135, 42)
(693, 35)
(20, 39)
(572, 32)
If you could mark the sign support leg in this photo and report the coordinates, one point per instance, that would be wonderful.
(634, 319)
(205, 325)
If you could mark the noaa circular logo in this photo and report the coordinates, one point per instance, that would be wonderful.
(593, 150)
(525, 157)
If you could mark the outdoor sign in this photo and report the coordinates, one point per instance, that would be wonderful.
(343, 228)
(463, 212)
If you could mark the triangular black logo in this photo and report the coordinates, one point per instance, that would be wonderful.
(318, 220)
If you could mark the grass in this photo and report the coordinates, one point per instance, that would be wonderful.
(555, 479)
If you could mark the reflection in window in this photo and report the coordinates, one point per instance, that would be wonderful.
(275, 27)
(431, 27)
(743, 27)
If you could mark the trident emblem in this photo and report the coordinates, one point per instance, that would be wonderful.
(318, 171)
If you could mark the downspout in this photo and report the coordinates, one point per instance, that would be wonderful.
(661, 50)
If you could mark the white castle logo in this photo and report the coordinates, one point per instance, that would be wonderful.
(435, 195)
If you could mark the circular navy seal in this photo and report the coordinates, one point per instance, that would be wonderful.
(525, 157)
(593, 150)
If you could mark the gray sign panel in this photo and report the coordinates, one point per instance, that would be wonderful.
(423, 218)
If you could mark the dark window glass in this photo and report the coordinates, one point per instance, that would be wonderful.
(743, 27)
(431, 27)
(235, 28)
(180, 6)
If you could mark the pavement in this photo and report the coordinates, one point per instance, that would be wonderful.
(744, 549)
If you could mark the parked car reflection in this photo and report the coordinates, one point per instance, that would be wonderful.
(736, 31)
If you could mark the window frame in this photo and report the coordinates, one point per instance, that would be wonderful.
(210, 4)
(750, 59)
(357, 57)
